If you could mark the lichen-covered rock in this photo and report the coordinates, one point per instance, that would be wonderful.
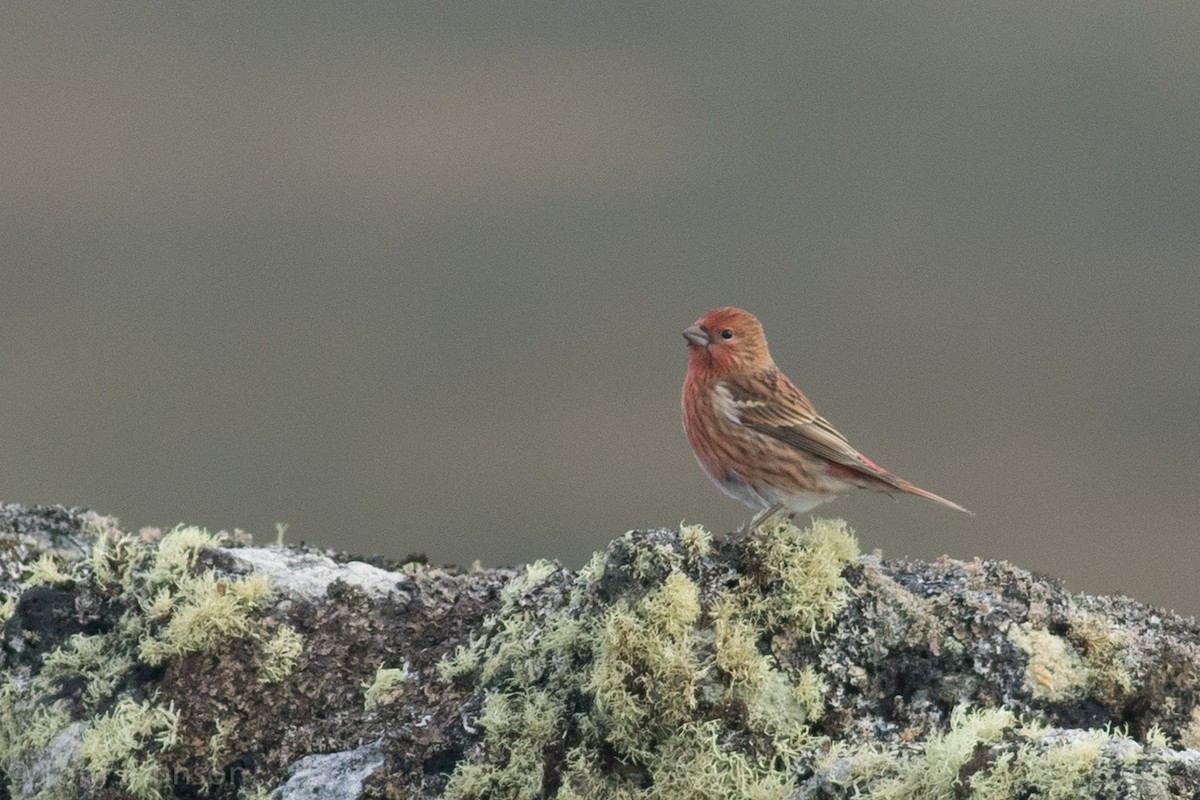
(184, 664)
(181, 664)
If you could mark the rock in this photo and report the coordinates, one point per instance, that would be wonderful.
(331, 776)
(672, 665)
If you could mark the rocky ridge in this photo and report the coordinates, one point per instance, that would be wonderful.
(673, 665)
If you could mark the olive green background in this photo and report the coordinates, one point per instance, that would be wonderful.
(411, 276)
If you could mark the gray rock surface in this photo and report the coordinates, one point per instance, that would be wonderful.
(331, 776)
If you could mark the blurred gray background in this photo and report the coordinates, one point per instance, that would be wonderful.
(410, 277)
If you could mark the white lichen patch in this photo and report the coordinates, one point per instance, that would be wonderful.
(49, 770)
(308, 575)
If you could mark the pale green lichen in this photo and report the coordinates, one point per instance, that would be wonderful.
(934, 774)
(218, 744)
(626, 691)
(697, 542)
(175, 556)
(465, 660)
(521, 726)
(793, 579)
(647, 667)
(172, 607)
(280, 654)
(1157, 737)
(1090, 661)
(989, 754)
(640, 668)
(206, 612)
(28, 722)
(534, 574)
(100, 661)
(385, 687)
(126, 742)
(116, 556)
(8, 606)
(1054, 670)
(49, 569)
(1104, 649)
(1058, 770)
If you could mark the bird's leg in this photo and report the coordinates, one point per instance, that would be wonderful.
(758, 519)
(765, 515)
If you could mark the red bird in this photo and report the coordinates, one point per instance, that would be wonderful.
(755, 433)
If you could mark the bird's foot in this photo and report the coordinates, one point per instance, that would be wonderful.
(752, 526)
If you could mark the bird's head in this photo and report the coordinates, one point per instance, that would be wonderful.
(727, 341)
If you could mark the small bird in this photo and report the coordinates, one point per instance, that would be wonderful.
(757, 436)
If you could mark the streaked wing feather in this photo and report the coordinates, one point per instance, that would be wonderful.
(771, 404)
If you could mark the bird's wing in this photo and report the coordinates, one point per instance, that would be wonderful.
(768, 402)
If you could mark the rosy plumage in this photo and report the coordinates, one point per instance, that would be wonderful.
(755, 433)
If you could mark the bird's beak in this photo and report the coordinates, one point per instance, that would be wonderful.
(696, 336)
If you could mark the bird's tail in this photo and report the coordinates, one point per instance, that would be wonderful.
(905, 486)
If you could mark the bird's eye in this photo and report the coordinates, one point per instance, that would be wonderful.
(727, 334)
